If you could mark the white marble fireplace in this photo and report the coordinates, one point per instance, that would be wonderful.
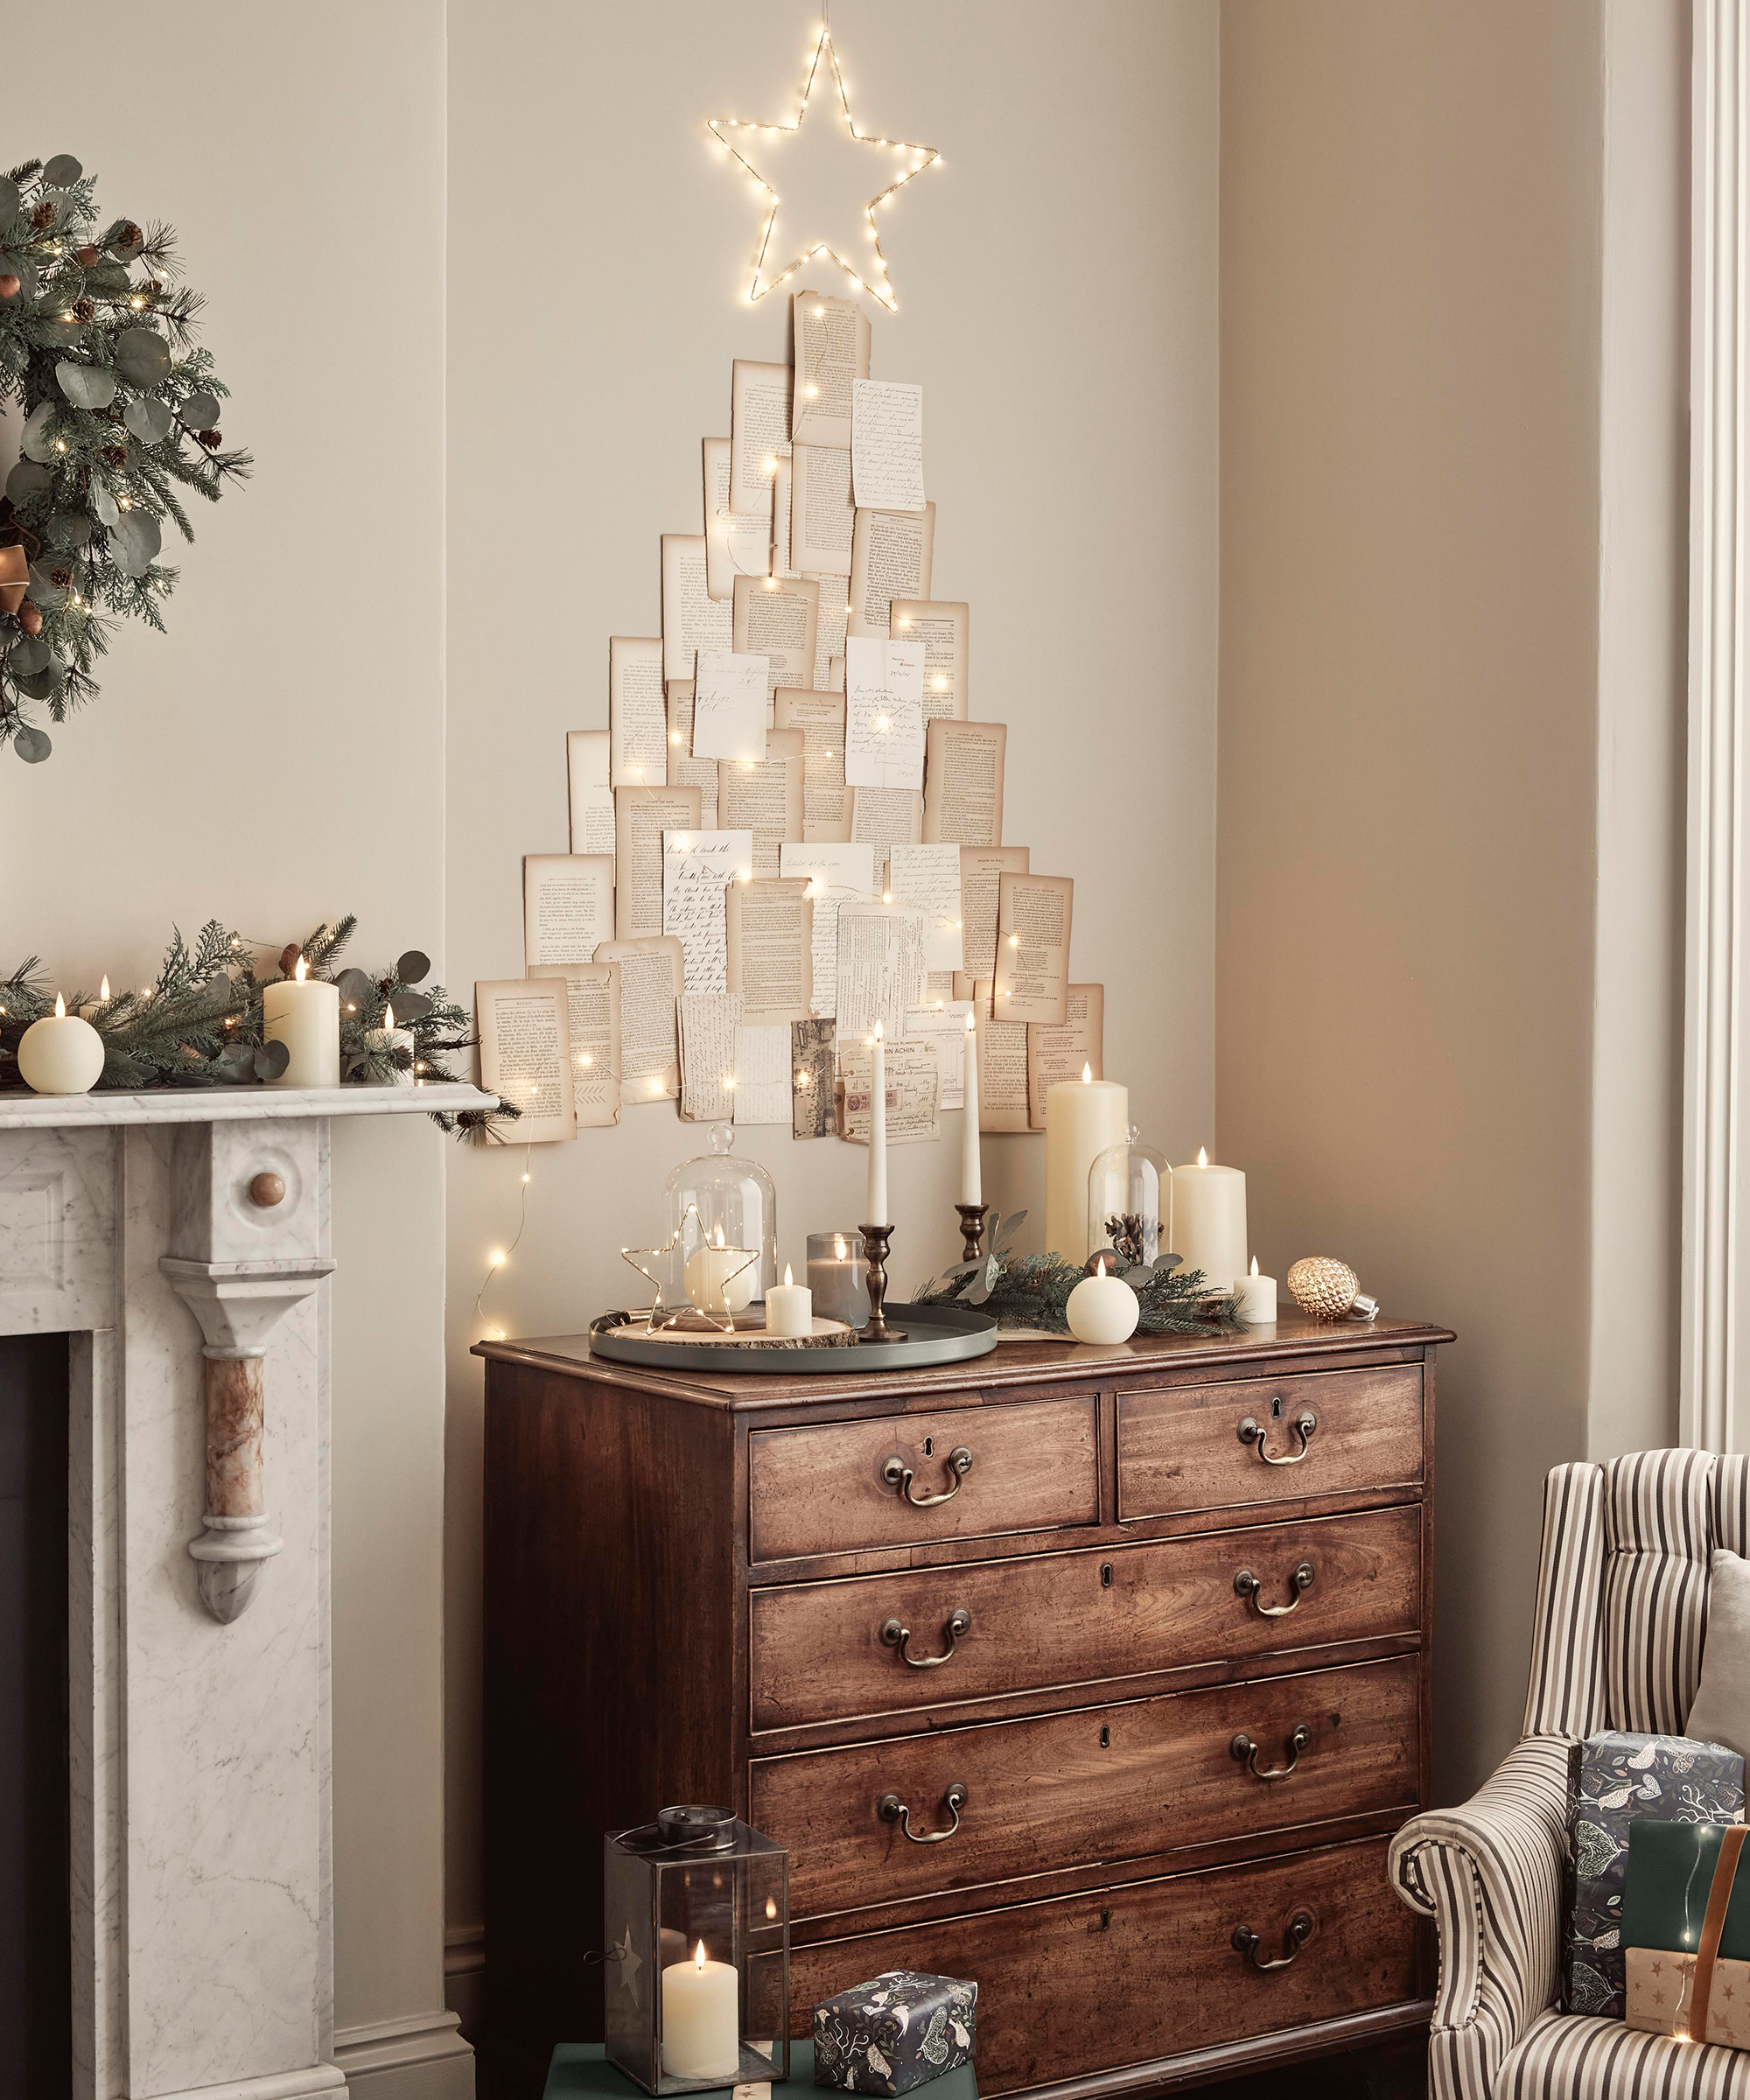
(182, 1240)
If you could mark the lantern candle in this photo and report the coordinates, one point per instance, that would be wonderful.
(304, 1013)
(789, 1307)
(702, 2019)
(1209, 1220)
(837, 1276)
(720, 1278)
(1083, 1117)
(61, 1053)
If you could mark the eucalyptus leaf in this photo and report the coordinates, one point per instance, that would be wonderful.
(26, 480)
(143, 355)
(45, 685)
(413, 967)
(41, 591)
(32, 744)
(35, 442)
(356, 989)
(29, 655)
(137, 540)
(355, 1062)
(62, 172)
(108, 511)
(271, 1060)
(70, 528)
(9, 202)
(86, 386)
(1168, 1261)
(200, 411)
(150, 421)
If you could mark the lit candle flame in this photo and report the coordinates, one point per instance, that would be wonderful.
(699, 1956)
(719, 1235)
(300, 972)
(1254, 1264)
(103, 988)
(970, 1022)
(1202, 1157)
(879, 1032)
(60, 1007)
(1087, 1076)
(838, 1245)
(788, 1279)
(388, 1018)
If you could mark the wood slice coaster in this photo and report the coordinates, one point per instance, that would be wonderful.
(750, 1333)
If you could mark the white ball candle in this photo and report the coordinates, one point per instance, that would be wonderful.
(1209, 1220)
(390, 1039)
(1104, 1308)
(304, 1013)
(60, 1053)
(1254, 1298)
(1082, 1118)
(789, 1307)
(702, 2019)
(721, 1278)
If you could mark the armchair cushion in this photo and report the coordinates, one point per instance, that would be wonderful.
(1567, 2056)
(1490, 1874)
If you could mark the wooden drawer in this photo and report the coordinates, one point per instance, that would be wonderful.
(1182, 1448)
(1132, 1975)
(831, 1489)
(1106, 1782)
(825, 1650)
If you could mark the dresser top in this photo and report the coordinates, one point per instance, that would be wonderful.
(1012, 1363)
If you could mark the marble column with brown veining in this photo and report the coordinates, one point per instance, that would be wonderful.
(237, 1406)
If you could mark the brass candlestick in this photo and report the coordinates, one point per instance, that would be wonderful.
(972, 1217)
(875, 1239)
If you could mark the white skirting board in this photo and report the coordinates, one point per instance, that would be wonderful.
(465, 1974)
(420, 2057)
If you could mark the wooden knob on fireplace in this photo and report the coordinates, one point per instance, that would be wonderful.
(266, 1190)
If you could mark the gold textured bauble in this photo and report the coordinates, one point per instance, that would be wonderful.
(1323, 1286)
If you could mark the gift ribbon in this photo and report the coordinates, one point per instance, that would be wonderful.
(1712, 1924)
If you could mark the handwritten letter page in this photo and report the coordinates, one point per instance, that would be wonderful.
(891, 556)
(709, 1021)
(1056, 1053)
(526, 1054)
(567, 905)
(1033, 914)
(734, 545)
(884, 724)
(826, 800)
(963, 782)
(760, 433)
(692, 619)
(729, 707)
(765, 798)
(836, 874)
(641, 815)
(831, 341)
(762, 1073)
(697, 867)
(926, 879)
(652, 975)
(587, 772)
(943, 630)
(887, 444)
(592, 1019)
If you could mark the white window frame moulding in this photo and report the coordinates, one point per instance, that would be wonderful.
(1714, 1163)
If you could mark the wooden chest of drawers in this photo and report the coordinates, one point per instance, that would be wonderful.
(1116, 1718)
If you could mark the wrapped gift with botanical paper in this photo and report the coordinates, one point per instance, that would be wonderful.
(1686, 1932)
(897, 2032)
(1615, 1780)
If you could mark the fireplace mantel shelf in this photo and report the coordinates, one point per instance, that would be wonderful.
(231, 1104)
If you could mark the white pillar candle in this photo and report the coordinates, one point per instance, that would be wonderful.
(389, 1038)
(701, 2019)
(1254, 1296)
(971, 1181)
(720, 1278)
(304, 1013)
(1082, 1116)
(92, 1005)
(876, 1210)
(1209, 1220)
(1103, 1308)
(789, 1307)
(61, 1053)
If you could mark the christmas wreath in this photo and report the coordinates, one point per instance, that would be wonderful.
(121, 417)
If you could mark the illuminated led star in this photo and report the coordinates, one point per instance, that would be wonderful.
(832, 164)
(653, 1262)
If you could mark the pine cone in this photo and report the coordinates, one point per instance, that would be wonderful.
(43, 216)
(127, 236)
(84, 309)
(31, 621)
(114, 455)
(211, 439)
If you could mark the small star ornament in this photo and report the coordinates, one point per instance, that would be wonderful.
(723, 1266)
(837, 178)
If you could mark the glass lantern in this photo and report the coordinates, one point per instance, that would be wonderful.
(1130, 1201)
(697, 1918)
(838, 1276)
(718, 1204)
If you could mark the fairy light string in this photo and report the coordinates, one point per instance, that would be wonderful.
(498, 1259)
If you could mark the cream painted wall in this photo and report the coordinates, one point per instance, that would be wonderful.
(1452, 354)
(279, 756)
(1057, 288)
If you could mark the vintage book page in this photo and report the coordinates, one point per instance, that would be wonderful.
(826, 800)
(883, 721)
(652, 977)
(641, 815)
(637, 716)
(730, 710)
(834, 672)
(770, 929)
(587, 764)
(821, 514)
(782, 564)
(1033, 914)
(759, 432)
(814, 1057)
(891, 556)
(1002, 1050)
(980, 867)
(963, 782)
(835, 609)
(945, 1027)
(592, 1017)
(709, 1020)
(913, 1090)
(692, 619)
(926, 880)
(734, 545)
(1056, 1053)
(887, 444)
(567, 905)
(836, 874)
(762, 1073)
(684, 770)
(697, 867)
(939, 985)
(943, 629)
(767, 798)
(884, 818)
(774, 618)
(526, 1054)
(830, 342)
(880, 969)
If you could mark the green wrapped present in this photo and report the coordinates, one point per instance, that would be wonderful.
(1686, 1931)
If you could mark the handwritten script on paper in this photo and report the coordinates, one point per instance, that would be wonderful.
(884, 722)
(729, 706)
(887, 444)
(697, 869)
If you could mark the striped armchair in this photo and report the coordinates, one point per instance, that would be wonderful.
(1621, 1616)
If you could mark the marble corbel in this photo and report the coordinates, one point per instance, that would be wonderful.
(250, 1234)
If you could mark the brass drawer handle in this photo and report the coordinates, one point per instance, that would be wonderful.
(897, 1474)
(896, 1634)
(1247, 1584)
(890, 1809)
(1246, 1942)
(1244, 1751)
(1252, 1431)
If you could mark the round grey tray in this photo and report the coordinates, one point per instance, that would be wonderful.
(934, 1335)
